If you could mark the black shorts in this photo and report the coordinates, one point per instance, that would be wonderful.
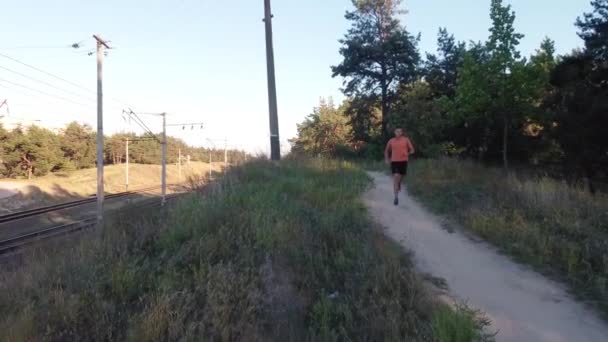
(399, 167)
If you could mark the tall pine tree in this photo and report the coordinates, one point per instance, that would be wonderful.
(441, 70)
(581, 98)
(594, 30)
(379, 53)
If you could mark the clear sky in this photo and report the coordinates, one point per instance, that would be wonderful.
(204, 60)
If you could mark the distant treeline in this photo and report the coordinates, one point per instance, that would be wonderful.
(480, 100)
(36, 151)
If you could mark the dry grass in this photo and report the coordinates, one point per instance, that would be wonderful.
(59, 187)
(558, 228)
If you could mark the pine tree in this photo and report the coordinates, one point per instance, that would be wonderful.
(441, 70)
(594, 30)
(580, 102)
(379, 53)
(324, 132)
(78, 145)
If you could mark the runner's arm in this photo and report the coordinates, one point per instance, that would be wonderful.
(411, 148)
(386, 152)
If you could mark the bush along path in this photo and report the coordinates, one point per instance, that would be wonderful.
(522, 304)
(280, 252)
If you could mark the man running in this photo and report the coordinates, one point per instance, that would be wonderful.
(400, 147)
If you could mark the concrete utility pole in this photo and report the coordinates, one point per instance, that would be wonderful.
(179, 163)
(163, 143)
(164, 151)
(127, 164)
(209, 165)
(225, 156)
(101, 44)
(164, 157)
(275, 147)
(212, 144)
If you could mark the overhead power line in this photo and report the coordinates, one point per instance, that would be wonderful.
(46, 83)
(77, 45)
(46, 73)
(35, 47)
(29, 94)
(139, 139)
(190, 124)
(44, 93)
(141, 124)
(123, 103)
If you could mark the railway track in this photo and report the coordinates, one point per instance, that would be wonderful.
(42, 210)
(21, 241)
(14, 244)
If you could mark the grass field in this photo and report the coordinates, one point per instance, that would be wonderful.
(558, 228)
(282, 252)
(58, 187)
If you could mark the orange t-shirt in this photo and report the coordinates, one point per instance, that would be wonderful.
(400, 149)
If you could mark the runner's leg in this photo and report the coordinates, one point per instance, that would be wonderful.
(396, 187)
(396, 183)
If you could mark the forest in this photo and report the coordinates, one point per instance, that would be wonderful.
(478, 100)
(36, 151)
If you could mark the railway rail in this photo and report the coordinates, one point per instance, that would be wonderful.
(16, 243)
(42, 210)
(21, 241)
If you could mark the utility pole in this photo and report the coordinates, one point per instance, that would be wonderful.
(164, 158)
(209, 165)
(100, 194)
(163, 143)
(214, 149)
(127, 165)
(275, 148)
(179, 163)
(225, 156)
(183, 125)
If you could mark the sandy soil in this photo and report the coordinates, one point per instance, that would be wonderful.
(523, 305)
(62, 187)
(8, 189)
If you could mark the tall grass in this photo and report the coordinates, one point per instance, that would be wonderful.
(556, 227)
(461, 324)
(275, 252)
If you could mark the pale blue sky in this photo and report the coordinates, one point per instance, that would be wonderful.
(204, 60)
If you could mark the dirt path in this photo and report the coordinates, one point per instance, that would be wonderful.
(523, 305)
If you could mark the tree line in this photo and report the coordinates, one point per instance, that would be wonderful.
(480, 100)
(37, 151)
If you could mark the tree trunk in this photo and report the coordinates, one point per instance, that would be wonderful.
(29, 172)
(385, 114)
(505, 137)
(589, 179)
(483, 146)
